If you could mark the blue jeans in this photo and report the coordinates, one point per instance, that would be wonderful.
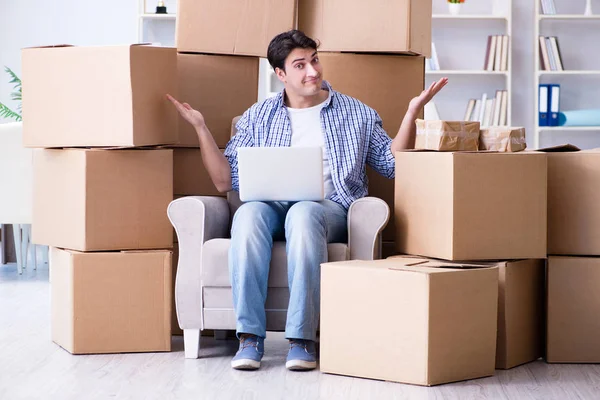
(306, 227)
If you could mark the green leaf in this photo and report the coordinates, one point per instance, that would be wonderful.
(13, 78)
(17, 95)
(6, 112)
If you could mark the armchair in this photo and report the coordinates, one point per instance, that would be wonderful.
(203, 295)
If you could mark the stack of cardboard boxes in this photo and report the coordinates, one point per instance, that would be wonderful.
(415, 319)
(101, 190)
(364, 51)
(375, 52)
(573, 275)
(448, 319)
(218, 49)
(219, 46)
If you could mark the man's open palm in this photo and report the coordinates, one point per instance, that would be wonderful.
(417, 103)
(192, 116)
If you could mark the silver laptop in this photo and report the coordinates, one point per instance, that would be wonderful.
(281, 173)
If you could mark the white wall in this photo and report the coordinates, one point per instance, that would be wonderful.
(26, 23)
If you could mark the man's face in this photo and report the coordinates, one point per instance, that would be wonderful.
(303, 72)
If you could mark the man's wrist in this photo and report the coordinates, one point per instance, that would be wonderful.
(412, 113)
(201, 129)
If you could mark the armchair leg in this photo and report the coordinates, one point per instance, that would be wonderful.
(191, 343)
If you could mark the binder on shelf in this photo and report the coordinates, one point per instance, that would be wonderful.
(554, 104)
(543, 105)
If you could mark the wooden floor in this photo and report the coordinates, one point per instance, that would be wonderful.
(32, 367)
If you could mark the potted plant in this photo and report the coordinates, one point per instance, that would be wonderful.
(5, 111)
(454, 6)
(16, 164)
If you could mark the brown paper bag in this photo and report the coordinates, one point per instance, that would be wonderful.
(447, 135)
(503, 139)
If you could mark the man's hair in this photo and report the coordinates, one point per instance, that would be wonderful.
(283, 44)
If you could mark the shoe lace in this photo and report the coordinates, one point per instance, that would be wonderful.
(249, 341)
(298, 343)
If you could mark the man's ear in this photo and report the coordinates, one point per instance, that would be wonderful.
(280, 74)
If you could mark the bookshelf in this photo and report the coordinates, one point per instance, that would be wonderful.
(580, 76)
(461, 42)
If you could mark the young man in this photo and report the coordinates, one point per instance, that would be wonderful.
(307, 113)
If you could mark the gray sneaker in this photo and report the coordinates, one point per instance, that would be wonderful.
(302, 355)
(250, 352)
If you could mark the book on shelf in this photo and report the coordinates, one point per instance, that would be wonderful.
(548, 7)
(492, 111)
(496, 53)
(550, 58)
(433, 63)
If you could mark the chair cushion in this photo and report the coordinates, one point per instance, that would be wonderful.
(215, 267)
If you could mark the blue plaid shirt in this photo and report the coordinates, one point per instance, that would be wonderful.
(354, 136)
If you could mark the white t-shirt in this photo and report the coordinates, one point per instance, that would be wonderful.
(307, 132)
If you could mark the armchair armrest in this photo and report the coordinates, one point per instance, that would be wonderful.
(196, 219)
(366, 219)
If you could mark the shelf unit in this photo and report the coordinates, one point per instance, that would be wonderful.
(566, 16)
(466, 72)
(539, 18)
(500, 13)
(469, 16)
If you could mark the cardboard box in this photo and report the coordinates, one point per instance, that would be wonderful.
(387, 84)
(116, 302)
(378, 26)
(190, 177)
(441, 321)
(220, 87)
(471, 206)
(99, 96)
(573, 326)
(98, 200)
(447, 135)
(502, 138)
(573, 199)
(521, 312)
(233, 27)
(521, 309)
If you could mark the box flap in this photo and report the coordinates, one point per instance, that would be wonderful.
(49, 47)
(432, 263)
(560, 149)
